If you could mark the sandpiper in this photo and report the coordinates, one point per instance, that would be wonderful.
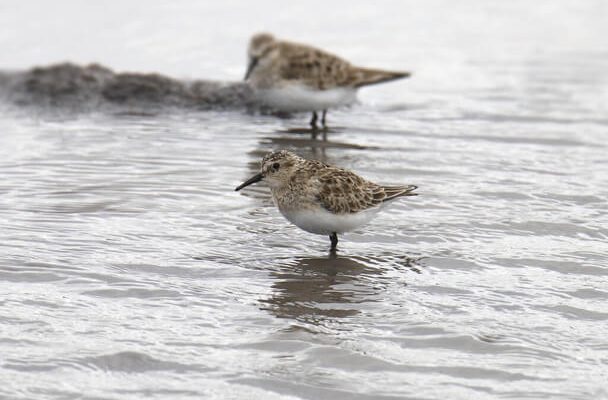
(289, 76)
(320, 198)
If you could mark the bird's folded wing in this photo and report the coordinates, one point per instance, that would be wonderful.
(313, 67)
(343, 192)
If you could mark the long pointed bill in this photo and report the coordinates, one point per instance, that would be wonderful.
(254, 179)
(252, 63)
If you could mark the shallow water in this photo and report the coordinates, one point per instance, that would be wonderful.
(129, 268)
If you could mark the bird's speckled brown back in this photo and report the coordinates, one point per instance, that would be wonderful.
(321, 70)
(335, 189)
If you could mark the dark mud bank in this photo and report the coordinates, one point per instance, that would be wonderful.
(95, 87)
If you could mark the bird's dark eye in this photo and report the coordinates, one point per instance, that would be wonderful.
(275, 166)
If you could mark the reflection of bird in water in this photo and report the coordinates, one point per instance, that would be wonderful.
(289, 76)
(314, 289)
(317, 148)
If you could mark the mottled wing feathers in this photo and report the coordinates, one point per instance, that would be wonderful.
(321, 70)
(336, 194)
(313, 67)
(342, 191)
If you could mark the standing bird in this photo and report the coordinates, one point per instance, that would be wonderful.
(289, 76)
(320, 198)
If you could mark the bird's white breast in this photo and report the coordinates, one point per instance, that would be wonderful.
(293, 97)
(323, 222)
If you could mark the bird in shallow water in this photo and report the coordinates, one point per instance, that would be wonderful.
(320, 198)
(289, 76)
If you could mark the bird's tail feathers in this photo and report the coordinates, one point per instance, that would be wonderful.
(392, 192)
(367, 76)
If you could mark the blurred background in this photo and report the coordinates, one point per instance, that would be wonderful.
(129, 268)
(464, 46)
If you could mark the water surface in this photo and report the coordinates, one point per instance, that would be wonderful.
(129, 268)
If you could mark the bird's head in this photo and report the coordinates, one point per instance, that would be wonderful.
(260, 51)
(277, 168)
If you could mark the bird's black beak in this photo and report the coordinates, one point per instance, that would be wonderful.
(252, 63)
(254, 179)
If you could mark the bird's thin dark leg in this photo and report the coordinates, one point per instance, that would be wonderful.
(334, 241)
(313, 120)
(323, 119)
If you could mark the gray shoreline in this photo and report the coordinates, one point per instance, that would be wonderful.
(94, 86)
